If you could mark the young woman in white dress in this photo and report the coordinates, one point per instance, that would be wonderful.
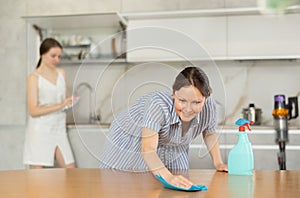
(46, 141)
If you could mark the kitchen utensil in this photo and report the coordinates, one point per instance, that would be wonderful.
(253, 114)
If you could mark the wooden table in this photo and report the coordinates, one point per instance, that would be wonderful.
(108, 183)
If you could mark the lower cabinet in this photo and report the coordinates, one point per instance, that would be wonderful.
(87, 145)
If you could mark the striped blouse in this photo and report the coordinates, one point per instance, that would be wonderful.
(122, 148)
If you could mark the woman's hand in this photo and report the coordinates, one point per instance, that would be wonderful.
(149, 147)
(221, 167)
(179, 181)
(68, 101)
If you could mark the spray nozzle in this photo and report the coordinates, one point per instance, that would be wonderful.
(244, 123)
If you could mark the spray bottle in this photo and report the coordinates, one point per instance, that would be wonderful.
(240, 158)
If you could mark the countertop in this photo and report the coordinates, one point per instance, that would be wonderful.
(220, 127)
(87, 125)
(108, 183)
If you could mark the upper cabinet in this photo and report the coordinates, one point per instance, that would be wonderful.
(190, 38)
(221, 34)
(264, 37)
(224, 34)
(89, 37)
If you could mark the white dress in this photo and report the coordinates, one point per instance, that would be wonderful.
(45, 133)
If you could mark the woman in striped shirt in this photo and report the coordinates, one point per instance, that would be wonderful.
(156, 131)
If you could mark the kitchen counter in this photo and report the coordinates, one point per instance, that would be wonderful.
(256, 127)
(220, 127)
(110, 183)
(87, 144)
(88, 126)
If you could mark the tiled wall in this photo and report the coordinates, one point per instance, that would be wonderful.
(257, 82)
(235, 85)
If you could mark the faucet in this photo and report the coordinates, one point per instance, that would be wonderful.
(92, 116)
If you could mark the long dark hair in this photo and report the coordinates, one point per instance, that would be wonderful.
(193, 76)
(46, 45)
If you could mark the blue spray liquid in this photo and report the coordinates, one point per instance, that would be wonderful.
(240, 158)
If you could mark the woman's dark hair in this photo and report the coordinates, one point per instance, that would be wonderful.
(46, 45)
(193, 76)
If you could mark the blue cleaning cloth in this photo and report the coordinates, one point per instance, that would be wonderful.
(171, 186)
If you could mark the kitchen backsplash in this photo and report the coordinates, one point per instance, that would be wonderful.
(235, 84)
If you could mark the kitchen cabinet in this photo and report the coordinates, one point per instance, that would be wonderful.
(221, 34)
(226, 34)
(175, 39)
(264, 37)
(86, 143)
(96, 37)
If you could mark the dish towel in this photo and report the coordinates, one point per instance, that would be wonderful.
(171, 186)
